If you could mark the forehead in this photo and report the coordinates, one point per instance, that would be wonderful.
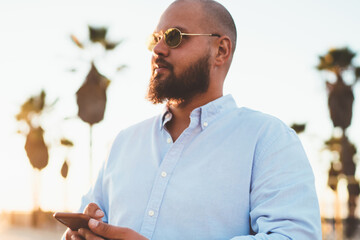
(184, 15)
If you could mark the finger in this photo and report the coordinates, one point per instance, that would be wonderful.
(108, 231)
(94, 211)
(72, 235)
(88, 235)
(78, 237)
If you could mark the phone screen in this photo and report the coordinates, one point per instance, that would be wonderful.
(74, 221)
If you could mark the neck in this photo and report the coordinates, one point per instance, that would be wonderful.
(181, 112)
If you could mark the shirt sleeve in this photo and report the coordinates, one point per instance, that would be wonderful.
(95, 195)
(283, 199)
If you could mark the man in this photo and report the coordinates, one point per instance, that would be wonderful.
(204, 169)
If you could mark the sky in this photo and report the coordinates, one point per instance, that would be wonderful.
(273, 71)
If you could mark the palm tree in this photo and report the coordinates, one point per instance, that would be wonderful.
(91, 97)
(35, 146)
(340, 102)
(340, 94)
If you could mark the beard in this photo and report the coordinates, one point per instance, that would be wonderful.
(192, 81)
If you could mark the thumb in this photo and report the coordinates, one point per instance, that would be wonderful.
(94, 211)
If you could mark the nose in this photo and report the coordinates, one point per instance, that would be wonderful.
(161, 48)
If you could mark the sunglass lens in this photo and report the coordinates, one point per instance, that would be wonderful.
(152, 41)
(172, 37)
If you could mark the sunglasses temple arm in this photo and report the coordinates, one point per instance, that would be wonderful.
(200, 34)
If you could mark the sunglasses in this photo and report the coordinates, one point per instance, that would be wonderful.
(172, 37)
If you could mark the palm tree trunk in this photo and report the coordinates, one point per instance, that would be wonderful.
(91, 155)
(36, 194)
(338, 220)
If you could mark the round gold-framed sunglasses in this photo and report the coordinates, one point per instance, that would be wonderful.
(172, 37)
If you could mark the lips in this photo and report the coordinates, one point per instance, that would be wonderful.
(159, 70)
(161, 65)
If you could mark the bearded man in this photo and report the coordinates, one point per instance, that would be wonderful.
(204, 169)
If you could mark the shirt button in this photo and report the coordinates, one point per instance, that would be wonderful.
(163, 174)
(205, 124)
(151, 213)
(169, 140)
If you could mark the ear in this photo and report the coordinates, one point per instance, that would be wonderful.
(223, 50)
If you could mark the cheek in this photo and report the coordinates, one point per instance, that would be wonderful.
(181, 63)
(186, 55)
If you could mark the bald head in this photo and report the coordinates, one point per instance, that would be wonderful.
(216, 19)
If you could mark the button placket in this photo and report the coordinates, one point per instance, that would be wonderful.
(167, 166)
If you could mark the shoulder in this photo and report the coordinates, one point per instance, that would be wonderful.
(139, 129)
(262, 122)
(269, 132)
(133, 137)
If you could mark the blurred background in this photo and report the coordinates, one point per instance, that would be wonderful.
(296, 60)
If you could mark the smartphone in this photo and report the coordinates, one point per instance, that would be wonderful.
(74, 221)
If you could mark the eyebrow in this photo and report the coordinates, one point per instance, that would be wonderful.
(183, 30)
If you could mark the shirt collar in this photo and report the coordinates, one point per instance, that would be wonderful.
(206, 113)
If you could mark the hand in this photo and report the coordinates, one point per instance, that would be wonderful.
(100, 230)
(94, 212)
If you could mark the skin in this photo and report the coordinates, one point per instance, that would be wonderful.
(186, 15)
(101, 230)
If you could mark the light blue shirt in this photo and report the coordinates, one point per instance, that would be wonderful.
(234, 173)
